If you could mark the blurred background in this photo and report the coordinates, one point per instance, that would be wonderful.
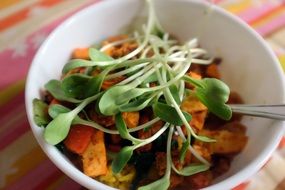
(25, 24)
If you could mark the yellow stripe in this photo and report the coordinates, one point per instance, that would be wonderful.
(282, 61)
(12, 156)
(279, 37)
(239, 6)
(25, 164)
(11, 91)
(7, 3)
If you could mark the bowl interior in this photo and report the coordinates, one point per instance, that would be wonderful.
(248, 67)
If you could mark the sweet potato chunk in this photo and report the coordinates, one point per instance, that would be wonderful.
(131, 118)
(144, 134)
(78, 138)
(119, 50)
(193, 106)
(94, 158)
(81, 53)
(212, 71)
(204, 151)
(111, 82)
(198, 119)
(227, 142)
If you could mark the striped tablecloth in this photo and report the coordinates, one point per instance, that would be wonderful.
(24, 25)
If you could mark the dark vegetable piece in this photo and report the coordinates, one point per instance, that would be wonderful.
(40, 109)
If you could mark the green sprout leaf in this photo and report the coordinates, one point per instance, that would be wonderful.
(220, 109)
(183, 150)
(96, 55)
(57, 130)
(122, 159)
(54, 87)
(191, 169)
(76, 63)
(214, 94)
(56, 109)
(96, 82)
(136, 105)
(107, 103)
(75, 85)
(130, 94)
(175, 93)
(169, 114)
(81, 86)
(161, 184)
(151, 78)
(123, 130)
(40, 110)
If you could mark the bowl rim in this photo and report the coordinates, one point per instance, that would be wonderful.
(81, 178)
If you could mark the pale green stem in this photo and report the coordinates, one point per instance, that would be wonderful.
(152, 138)
(168, 152)
(126, 71)
(191, 149)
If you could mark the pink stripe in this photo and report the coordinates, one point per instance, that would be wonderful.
(11, 113)
(272, 26)
(255, 12)
(69, 184)
(17, 67)
(32, 179)
(13, 133)
(49, 181)
(216, 1)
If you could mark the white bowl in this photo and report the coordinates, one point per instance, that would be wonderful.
(249, 67)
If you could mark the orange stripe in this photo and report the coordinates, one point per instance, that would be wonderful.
(7, 3)
(239, 6)
(282, 143)
(241, 186)
(23, 14)
(49, 3)
(13, 19)
(276, 11)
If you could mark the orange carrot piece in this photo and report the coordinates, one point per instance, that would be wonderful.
(54, 101)
(78, 138)
(80, 53)
(109, 83)
(213, 72)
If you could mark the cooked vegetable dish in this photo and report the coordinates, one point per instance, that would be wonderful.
(143, 111)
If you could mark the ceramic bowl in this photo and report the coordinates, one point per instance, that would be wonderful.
(249, 67)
